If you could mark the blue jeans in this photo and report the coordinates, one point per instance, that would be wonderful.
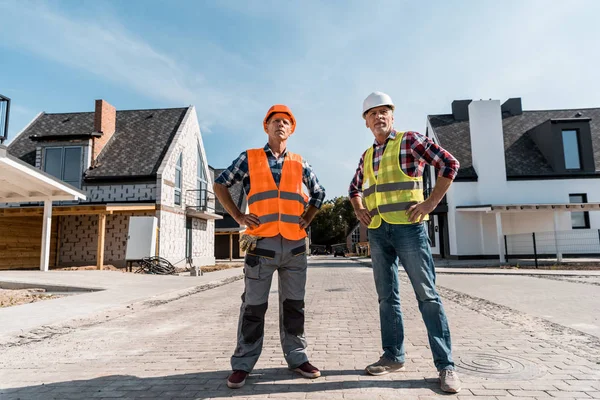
(410, 244)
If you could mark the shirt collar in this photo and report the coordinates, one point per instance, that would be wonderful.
(391, 136)
(270, 152)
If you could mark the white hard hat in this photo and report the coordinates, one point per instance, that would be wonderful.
(377, 99)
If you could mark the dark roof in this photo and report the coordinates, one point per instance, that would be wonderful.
(237, 194)
(137, 148)
(522, 155)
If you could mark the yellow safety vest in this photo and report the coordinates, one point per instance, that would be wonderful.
(392, 192)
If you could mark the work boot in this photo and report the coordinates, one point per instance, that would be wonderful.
(308, 370)
(237, 379)
(449, 381)
(384, 366)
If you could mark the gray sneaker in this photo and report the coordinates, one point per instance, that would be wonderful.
(449, 381)
(384, 366)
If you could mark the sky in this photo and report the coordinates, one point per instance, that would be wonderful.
(233, 59)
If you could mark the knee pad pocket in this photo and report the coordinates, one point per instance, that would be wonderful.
(253, 322)
(293, 316)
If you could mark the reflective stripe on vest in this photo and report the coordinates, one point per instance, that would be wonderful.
(392, 192)
(278, 208)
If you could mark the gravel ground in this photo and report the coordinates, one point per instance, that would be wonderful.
(12, 297)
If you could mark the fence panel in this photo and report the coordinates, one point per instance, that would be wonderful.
(576, 241)
(521, 243)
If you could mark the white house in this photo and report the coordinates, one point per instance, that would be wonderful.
(522, 173)
(127, 163)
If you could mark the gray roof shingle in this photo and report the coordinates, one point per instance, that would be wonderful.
(522, 155)
(136, 149)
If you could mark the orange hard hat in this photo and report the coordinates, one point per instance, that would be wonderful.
(279, 108)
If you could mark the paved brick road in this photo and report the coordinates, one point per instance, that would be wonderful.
(180, 350)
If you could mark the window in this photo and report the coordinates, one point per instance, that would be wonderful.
(189, 240)
(356, 235)
(178, 174)
(570, 140)
(64, 163)
(431, 230)
(201, 182)
(579, 219)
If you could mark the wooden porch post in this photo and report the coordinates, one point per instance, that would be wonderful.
(500, 237)
(46, 230)
(101, 232)
(558, 249)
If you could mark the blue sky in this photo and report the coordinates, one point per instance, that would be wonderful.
(234, 59)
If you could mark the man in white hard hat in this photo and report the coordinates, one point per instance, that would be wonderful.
(387, 195)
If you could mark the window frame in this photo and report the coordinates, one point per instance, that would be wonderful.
(62, 163)
(578, 139)
(178, 171)
(586, 214)
(201, 180)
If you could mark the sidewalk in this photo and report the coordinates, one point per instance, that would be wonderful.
(453, 267)
(94, 292)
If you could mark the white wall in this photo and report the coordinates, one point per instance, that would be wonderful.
(487, 149)
(466, 234)
(172, 218)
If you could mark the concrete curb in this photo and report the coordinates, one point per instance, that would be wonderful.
(497, 271)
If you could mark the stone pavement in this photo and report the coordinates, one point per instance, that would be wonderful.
(571, 303)
(180, 350)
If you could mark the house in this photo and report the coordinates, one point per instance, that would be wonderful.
(357, 240)
(522, 173)
(227, 230)
(129, 164)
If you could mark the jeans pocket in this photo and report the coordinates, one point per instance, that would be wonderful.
(252, 266)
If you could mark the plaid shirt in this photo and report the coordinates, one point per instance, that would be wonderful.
(238, 171)
(416, 150)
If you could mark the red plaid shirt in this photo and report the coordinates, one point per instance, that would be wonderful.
(416, 150)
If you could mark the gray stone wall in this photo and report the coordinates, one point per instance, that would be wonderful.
(142, 192)
(79, 239)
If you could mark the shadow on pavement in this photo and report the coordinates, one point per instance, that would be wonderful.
(202, 385)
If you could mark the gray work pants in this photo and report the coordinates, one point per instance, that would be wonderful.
(288, 258)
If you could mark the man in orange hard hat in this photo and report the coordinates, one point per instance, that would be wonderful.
(275, 234)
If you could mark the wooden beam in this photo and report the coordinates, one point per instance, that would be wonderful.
(62, 210)
(133, 207)
(101, 235)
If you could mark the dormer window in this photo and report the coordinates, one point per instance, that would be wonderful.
(64, 163)
(570, 139)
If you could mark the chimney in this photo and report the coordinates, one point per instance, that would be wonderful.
(487, 150)
(460, 110)
(105, 118)
(512, 106)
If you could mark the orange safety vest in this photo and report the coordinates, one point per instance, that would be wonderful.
(278, 208)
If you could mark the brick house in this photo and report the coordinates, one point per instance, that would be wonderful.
(357, 240)
(128, 163)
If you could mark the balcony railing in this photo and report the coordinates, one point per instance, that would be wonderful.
(200, 200)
